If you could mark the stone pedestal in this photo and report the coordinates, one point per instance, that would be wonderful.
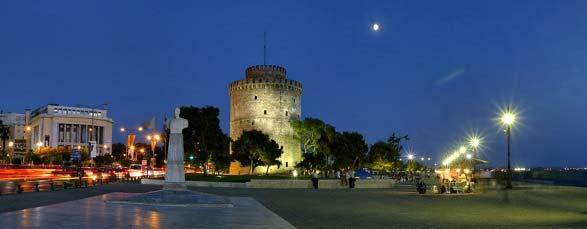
(175, 174)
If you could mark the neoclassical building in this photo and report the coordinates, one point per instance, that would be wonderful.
(266, 101)
(70, 127)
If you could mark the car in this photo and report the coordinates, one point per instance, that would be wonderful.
(136, 170)
(121, 172)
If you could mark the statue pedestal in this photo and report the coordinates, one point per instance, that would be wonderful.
(174, 173)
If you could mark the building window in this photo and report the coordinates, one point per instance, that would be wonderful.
(286, 113)
(265, 112)
(61, 133)
(252, 123)
(67, 132)
(255, 97)
(286, 164)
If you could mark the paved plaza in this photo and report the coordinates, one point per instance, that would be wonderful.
(529, 206)
(96, 212)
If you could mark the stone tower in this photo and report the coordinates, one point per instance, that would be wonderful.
(266, 101)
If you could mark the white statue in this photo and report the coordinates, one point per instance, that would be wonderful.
(175, 174)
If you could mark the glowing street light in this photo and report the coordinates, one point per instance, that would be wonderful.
(153, 139)
(508, 119)
(474, 142)
(422, 158)
(469, 156)
(462, 149)
(122, 129)
(140, 129)
(410, 156)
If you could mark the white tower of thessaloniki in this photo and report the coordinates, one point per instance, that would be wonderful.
(266, 101)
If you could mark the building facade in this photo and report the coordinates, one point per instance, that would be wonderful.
(16, 123)
(267, 101)
(70, 127)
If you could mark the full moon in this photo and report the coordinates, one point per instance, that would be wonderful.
(375, 27)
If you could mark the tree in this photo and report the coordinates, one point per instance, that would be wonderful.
(118, 151)
(221, 158)
(103, 160)
(315, 138)
(203, 137)
(308, 132)
(382, 156)
(271, 154)
(395, 141)
(413, 165)
(349, 150)
(254, 148)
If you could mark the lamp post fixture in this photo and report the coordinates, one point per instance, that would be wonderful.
(410, 157)
(39, 145)
(474, 143)
(508, 118)
(10, 154)
(153, 139)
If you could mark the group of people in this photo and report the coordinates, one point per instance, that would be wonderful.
(347, 178)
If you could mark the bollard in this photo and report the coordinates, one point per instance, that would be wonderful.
(51, 186)
(37, 187)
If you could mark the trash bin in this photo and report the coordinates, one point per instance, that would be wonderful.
(352, 182)
(315, 182)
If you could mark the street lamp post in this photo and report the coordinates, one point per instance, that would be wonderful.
(153, 139)
(474, 143)
(10, 154)
(508, 118)
(39, 145)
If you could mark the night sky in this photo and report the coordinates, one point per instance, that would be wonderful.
(436, 70)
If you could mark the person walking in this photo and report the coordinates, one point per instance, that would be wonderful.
(343, 180)
(352, 179)
(315, 179)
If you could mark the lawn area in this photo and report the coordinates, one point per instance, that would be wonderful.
(528, 206)
(235, 178)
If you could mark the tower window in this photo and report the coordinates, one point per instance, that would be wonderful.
(252, 123)
(286, 164)
(265, 112)
(255, 97)
(286, 113)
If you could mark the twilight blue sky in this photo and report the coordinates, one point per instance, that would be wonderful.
(436, 70)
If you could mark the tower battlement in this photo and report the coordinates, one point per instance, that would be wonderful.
(260, 71)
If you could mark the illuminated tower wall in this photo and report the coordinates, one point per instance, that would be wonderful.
(266, 101)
